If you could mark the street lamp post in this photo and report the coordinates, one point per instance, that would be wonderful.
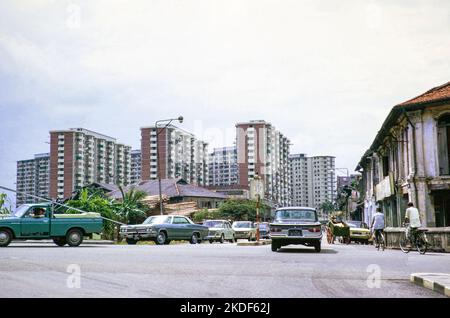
(169, 121)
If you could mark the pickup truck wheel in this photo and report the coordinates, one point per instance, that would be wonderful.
(161, 238)
(60, 241)
(194, 239)
(74, 238)
(131, 241)
(5, 238)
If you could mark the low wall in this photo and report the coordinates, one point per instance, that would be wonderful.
(438, 238)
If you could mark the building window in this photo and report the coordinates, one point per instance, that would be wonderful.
(444, 144)
(385, 166)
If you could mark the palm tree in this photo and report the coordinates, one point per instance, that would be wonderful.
(130, 209)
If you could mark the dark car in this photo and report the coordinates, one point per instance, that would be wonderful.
(296, 225)
(163, 229)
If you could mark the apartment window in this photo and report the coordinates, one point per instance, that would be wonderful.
(444, 144)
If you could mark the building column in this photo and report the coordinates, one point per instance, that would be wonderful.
(425, 205)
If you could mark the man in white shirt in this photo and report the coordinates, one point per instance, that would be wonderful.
(412, 218)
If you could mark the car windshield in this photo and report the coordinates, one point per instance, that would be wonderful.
(301, 215)
(217, 224)
(242, 225)
(157, 220)
(21, 211)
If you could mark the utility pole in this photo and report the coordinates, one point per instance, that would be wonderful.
(257, 191)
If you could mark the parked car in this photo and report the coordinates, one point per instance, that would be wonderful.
(296, 225)
(244, 230)
(38, 222)
(264, 230)
(359, 232)
(219, 231)
(163, 229)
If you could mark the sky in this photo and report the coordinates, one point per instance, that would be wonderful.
(325, 73)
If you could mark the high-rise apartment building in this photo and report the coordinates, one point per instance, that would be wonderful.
(79, 157)
(33, 178)
(312, 180)
(181, 155)
(136, 166)
(223, 167)
(262, 150)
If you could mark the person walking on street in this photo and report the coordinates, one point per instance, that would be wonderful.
(378, 225)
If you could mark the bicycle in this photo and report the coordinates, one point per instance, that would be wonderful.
(419, 241)
(380, 241)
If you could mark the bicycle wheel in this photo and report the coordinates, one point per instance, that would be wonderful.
(405, 244)
(382, 242)
(421, 244)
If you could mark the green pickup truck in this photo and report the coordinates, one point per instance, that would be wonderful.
(38, 222)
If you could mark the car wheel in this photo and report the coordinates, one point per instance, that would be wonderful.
(194, 239)
(5, 237)
(74, 237)
(275, 247)
(211, 241)
(167, 242)
(161, 238)
(317, 247)
(60, 241)
(131, 241)
(222, 239)
(233, 240)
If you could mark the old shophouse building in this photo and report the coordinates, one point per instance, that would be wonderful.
(409, 161)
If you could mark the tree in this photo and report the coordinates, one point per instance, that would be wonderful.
(204, 214)
(95, 202)
(327, 207)
(238, 209)
(3, 208)
(130, 209)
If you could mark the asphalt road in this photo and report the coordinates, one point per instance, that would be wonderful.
(228, 271)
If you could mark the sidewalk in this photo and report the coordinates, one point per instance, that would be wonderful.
(254, 243)
(437, 282)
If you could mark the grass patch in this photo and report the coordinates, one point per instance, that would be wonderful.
(153, 243)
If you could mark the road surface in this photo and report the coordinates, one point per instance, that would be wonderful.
(212, 270)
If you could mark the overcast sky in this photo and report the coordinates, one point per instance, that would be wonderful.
(325, 73)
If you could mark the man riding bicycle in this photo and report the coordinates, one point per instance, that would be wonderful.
(378, 225)
(412, 220)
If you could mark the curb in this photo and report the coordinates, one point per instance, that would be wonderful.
(260, 243)
(86, 242)
(436, 282)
